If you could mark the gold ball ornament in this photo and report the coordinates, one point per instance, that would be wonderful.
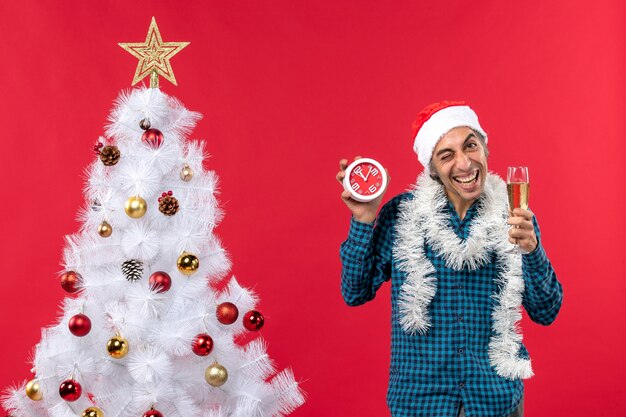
(117, 347)
(187, 263)
(105, 229)
(93, 412)
(33, 390)
(186, 174)
(216, 375)
(135, 207)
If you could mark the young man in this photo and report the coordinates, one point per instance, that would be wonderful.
(453, 252)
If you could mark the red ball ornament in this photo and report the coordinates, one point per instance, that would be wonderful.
(153, 413)
(70, 281)
(202, 344)
(253, 320)
(152, 137)
(160, 282)
(79, 325)
(70, 390)
(227, 313)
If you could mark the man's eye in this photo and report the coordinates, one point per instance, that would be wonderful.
(446, 157)
(472, 145)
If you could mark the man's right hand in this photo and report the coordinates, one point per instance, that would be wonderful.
(362, 212)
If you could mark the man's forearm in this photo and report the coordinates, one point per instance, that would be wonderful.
(543, 294)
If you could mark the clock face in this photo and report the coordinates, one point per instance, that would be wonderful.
(366, 179)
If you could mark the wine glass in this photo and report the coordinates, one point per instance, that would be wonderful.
(518, 188)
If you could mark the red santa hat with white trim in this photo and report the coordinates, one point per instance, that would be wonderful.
(432, 123)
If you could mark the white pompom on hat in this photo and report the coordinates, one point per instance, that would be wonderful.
(432, 123)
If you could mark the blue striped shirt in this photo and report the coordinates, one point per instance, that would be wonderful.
(431, 374)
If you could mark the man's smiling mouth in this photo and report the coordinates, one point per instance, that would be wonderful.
(470, 179)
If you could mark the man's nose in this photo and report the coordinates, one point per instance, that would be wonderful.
(463, 161)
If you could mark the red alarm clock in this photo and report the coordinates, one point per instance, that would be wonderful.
(365, 179)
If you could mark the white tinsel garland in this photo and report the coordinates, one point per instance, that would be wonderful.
(423, 220)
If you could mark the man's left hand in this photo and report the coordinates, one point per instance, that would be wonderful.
(522, 233)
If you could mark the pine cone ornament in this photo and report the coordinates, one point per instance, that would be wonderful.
(110, 155)
(132, 270)
(168, 204)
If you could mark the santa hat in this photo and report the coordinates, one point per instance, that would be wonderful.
(432, 123)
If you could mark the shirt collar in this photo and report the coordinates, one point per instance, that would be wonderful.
(455, 221)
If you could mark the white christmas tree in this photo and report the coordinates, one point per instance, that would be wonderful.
(145, 332)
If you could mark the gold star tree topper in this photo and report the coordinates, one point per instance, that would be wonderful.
(154, 56)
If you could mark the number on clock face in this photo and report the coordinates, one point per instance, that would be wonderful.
(365, 179)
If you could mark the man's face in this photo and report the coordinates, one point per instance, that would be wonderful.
(460, 162)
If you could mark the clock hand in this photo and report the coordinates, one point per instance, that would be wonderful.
(360, 174)
(368, 174)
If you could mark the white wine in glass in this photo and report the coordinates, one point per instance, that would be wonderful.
(518, 187)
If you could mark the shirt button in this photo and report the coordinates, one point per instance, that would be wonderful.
(462, 385)
(460, 287)
(460, 318)
(461, 350)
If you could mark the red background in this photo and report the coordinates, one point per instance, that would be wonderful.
(289, 87)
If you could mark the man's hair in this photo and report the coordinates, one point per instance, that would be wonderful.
(431, 165)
